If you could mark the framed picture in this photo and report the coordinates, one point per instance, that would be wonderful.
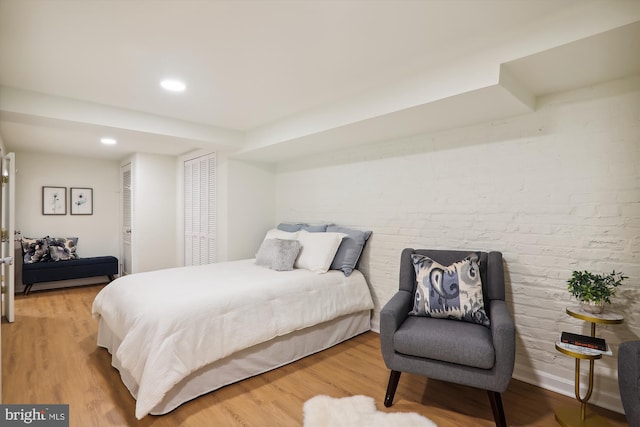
(81, 201)
(54, 200)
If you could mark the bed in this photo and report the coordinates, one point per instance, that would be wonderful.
(179, 333)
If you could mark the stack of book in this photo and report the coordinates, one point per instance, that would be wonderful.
(584, 341)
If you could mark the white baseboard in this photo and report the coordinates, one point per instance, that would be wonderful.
(608, 399)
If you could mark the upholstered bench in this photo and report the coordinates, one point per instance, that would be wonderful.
(52, 271)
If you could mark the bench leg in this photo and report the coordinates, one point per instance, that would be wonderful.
(27, 289)
(111, 278)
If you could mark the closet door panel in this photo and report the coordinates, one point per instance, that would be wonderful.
(200, 244)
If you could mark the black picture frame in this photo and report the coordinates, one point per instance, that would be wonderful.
(81, 201)
(54, 200)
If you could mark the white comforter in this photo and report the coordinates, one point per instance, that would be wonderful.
(172, 322)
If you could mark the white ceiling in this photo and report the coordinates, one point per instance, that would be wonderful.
(275, 79)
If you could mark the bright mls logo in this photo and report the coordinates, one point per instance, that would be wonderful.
(34, 415)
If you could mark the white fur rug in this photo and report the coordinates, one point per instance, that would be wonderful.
(354, 411)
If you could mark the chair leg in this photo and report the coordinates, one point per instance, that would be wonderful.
(394, 377)
(497, 409)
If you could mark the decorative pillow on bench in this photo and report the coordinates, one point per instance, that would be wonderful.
(35, 250)
(49, 249)
(63, 248)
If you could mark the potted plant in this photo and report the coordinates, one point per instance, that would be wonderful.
(593, 290)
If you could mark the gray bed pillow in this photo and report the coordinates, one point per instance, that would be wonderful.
(350, 249)
(278, 254)
(289, 227)
(318, 228)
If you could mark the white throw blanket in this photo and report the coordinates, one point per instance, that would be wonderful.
(173, 322)
(325, 411)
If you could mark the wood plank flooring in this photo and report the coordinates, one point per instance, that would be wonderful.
(50, 356)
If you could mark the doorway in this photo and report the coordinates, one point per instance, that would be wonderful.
(7, 236)
(127, 206)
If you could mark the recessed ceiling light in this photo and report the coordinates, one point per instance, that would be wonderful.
(108, 141)
(173, 85)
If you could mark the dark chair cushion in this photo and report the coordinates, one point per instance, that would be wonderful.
(432, 338)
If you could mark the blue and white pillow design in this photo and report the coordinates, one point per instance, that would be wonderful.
(452, 292)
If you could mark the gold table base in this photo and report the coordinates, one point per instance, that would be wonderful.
(569, 416)
(578, 416)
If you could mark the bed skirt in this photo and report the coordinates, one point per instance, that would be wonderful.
(248, 362)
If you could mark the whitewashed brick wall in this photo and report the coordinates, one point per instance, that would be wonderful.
(555, 191)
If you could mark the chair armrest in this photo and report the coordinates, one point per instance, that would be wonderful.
(503, 331)
(629, 380)
(495, 276)
(394, 312)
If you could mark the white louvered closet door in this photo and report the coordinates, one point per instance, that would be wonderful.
(200, 246)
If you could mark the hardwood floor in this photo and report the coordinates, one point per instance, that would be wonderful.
(50, 356)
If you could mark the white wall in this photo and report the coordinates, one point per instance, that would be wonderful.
(555, 191)
(250, 206)
(154, 216)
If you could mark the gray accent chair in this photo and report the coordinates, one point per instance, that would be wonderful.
(629, 380)
(451, 350)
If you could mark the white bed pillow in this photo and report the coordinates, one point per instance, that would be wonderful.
(275, 233)
(318, 250)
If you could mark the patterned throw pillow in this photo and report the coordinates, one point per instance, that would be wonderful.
(35, 250)
(452, 292)
(65, 248)
(28, 244)
(59, 253)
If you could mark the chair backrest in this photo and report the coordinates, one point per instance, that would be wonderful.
(491, 269)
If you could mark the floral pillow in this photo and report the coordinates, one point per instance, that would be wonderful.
(35, 250)
(49, 249)
(27, 243)
(452, 292)
(63, 248)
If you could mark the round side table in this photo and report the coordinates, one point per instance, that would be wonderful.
(571, 416)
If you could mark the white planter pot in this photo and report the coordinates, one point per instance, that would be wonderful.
(594, 307)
